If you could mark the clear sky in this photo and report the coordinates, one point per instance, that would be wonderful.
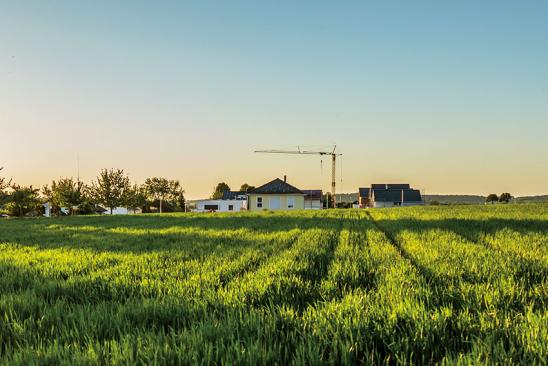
(451, 97)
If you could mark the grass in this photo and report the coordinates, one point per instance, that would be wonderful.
(425, 285)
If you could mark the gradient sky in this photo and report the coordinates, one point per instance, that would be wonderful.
(451, 97)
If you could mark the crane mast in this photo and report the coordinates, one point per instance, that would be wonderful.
(310, 152)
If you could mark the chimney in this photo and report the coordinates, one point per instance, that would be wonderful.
(285, 178)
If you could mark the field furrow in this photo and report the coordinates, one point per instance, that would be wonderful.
(428, 285)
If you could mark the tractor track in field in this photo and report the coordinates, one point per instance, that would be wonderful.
(439, 285)
(424, 271)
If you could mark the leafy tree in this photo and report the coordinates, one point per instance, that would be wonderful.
(246, 187)
(87, 205)
(49, 197)
(23, 200)
(4, 185)
(219, 190)
(66, 192)
(492, 198)
(110, 188)
(136, 197)
(505, 197)
(157, 189)
(181, 201)
(164, 191)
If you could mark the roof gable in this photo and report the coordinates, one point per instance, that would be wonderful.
(277, 186)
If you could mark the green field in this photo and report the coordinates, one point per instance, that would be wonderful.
(450, 285)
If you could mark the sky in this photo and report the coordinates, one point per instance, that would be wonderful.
(451, 97)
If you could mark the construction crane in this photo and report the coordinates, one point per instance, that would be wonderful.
(310, 152)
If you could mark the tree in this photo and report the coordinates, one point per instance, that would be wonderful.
(181, 201)
(66, 192)
(110, 188)
(246, 188)
(157, 189)
(4, 185)
(164, 191)
(49, 197)
(136, 197)
(219, 191)
(492, 198)
(505, 197)
(23, 200)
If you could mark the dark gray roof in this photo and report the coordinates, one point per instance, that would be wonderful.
(378, 186)
(395, 195)
(232, 195)
(397, 186)
(277, 186)
(364, 192)
(312, 194)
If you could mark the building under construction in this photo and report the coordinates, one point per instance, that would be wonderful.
(389, 195)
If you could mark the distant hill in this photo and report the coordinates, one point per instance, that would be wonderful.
(455, 198)
(526, 199)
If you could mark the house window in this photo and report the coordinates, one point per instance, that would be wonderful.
(290, 202)
(230, 207)
(259, 202)
(211, 207)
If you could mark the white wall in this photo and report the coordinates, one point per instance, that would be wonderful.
(312, 204)
(238, 205)
(117, 211)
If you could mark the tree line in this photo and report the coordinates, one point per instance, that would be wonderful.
(222, 187)
(110, 189)
(504, 198)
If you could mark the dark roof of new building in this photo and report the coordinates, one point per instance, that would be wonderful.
(312, 194)
(398, 186)
(395, 195)
(364, 192)
(378, 186)
(277, 186)
(232, 195)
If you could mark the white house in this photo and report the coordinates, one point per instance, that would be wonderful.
(220, 205)
(232, 201)
(122, 211)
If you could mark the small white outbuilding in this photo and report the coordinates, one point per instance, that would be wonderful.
(221, 205)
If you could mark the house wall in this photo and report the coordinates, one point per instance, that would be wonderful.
(312, 204)
(298, 198)
(120, 211)
(238, 205)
